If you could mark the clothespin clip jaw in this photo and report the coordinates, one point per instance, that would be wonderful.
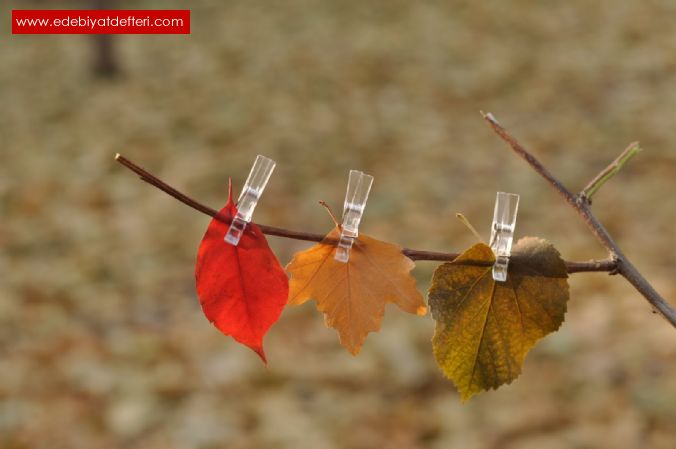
(358, 188)
(502, 232)
(251, 192)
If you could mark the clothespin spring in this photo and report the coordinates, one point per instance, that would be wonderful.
(248, 199)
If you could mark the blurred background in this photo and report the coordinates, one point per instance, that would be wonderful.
(102, 340)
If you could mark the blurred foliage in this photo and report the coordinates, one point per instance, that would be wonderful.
(102, 338)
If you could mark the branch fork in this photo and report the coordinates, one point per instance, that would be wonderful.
(582, 205)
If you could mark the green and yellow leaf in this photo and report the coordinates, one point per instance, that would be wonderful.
(484, 328)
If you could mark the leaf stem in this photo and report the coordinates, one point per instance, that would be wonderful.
(330, 211)
(467, 223)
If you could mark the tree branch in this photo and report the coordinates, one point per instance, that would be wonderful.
(606, 265)
(583, 208)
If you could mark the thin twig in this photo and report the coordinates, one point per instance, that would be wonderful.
(611, 170)
(606, 265)
(578, 202)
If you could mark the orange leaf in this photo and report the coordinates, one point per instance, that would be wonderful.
(353, 295)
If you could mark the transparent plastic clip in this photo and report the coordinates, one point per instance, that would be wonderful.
(502, 232)
(358, 188)
(251, 192)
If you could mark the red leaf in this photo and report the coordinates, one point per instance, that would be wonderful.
(242, 288)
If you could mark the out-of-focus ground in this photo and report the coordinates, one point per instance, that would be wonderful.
(102, 340)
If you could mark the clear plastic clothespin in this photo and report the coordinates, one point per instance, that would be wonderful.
(251, 192)
(502, 232)
(358, 188)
